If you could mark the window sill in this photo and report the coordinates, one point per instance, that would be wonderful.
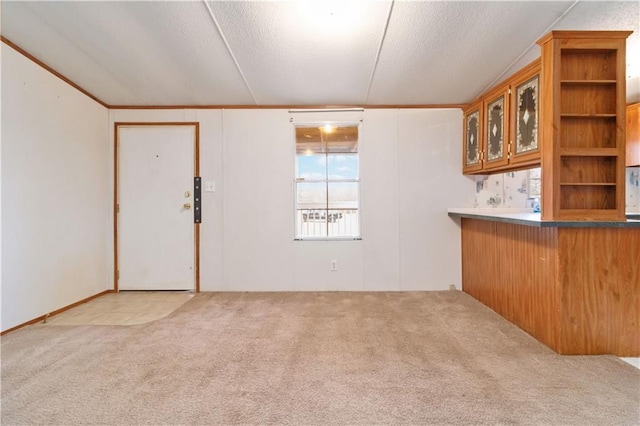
(329, 239)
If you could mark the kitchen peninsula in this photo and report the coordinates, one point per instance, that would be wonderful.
(569, 276)
(575, 286)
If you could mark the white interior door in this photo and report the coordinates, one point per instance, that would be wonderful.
(156, 249)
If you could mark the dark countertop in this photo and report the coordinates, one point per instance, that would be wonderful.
(533, 219)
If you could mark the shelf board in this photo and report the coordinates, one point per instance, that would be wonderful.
(587, 184)
(587, 115)
(588, 82)
(603, 215)
(584, 213)
(589, 152)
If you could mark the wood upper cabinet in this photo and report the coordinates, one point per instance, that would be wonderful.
(633, 135)
(496, 128)
(472, 148)
(583, 125)
(508, 125)
(525, 121)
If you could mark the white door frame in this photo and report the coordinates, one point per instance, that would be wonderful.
(196, 171)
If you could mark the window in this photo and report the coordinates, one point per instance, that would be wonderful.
(327, 181)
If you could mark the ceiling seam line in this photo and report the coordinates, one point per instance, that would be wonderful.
(226, 43)
(501, 75)
(377, 60)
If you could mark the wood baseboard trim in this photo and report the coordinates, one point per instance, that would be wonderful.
(56, 312)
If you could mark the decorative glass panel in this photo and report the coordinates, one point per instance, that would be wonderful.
(495, 129)
(473, 138)
(527, 116)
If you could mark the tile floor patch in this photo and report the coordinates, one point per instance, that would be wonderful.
(123, 308)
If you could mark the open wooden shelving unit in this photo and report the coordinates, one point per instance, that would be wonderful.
(583, 125)
(633, 135)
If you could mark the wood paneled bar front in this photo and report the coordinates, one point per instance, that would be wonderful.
(574, 288)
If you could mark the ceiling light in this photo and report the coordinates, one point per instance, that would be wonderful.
(330, 17)
(328, 128)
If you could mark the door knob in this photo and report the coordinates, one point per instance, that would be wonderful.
(186, 206)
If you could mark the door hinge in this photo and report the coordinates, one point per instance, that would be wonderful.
(197, 195)
(117, 208)
(117, 275)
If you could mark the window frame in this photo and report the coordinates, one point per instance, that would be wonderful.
(327, 181)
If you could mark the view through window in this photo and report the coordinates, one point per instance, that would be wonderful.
(327, 181)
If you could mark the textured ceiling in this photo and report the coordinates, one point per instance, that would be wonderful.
(322, 52)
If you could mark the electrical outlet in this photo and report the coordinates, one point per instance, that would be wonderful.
(334, 265)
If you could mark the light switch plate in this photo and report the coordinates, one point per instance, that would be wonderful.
(209, 186)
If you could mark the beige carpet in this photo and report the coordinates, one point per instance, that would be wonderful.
(310, 358)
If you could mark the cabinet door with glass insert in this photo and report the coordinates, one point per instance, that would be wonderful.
(472, 143)
(525, 93)
(496, 131)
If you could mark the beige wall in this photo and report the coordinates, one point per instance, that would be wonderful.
(54, 192)
(57, 192)
(410, 175)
